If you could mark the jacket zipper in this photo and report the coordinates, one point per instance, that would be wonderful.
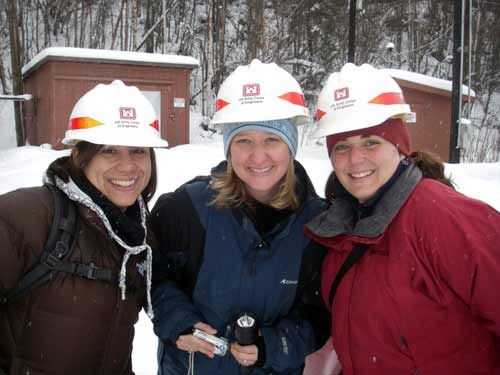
(111, 333)
(257, 248)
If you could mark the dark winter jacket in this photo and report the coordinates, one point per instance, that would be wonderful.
(214, 265)
(70, 325)
(424, 297)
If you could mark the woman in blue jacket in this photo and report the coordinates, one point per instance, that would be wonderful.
(232, 243)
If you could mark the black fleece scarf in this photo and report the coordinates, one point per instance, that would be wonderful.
(126, 224)
(265, 217)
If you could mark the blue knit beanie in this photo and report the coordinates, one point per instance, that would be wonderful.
(285, 129)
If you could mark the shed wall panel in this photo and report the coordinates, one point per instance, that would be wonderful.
(57, 85)
(431, 132)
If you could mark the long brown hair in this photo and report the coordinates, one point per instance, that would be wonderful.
(231, 191)
(431, 167)
(83, 152)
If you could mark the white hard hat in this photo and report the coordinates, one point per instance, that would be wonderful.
(259, 92)
(359, 97)
(114, 114)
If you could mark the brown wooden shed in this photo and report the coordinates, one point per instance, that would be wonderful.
(57, 77)
(430, 99)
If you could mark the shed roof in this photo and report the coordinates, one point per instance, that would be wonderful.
(425, 82)
(109, 56)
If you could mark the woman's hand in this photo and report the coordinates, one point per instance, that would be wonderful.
(245, 355)
(190, 343)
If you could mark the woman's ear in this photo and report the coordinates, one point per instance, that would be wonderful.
(74, 155)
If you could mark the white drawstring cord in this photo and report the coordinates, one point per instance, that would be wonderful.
(74, 193)
(191, 364)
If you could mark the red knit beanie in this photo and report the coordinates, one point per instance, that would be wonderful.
(392, 130)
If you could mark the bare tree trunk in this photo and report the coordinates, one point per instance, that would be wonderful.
(412, 35)
(221, 31)
(399, 39)
(203, 64)
(133, 25)
(476, 64)
(179, 22)
(23, 32)
(165, 31)
(255, 22)
(122, 25)
(83, 21)
(17, 80)
(91, 26)
(75, 26)
(37, 28)
(46, 27)
(118, 23)
(126, 29)
(3, 78)
(210, 62)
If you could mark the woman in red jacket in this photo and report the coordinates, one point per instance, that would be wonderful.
(420, 261)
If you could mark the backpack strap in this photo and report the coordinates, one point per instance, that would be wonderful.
(61, 236)
(354, 256)
(63, 232)
(87, 271)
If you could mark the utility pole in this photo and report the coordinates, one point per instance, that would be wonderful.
(456, 88)
(352, 31)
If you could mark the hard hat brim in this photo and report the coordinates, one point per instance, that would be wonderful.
(265, 112)
(355, 118)
(134, 137)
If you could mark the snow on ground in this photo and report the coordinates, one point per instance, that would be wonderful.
(24, 166)
(7, 124)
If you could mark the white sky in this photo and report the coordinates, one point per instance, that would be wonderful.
(21, 167)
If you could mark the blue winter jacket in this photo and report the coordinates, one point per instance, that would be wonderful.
(213, 265)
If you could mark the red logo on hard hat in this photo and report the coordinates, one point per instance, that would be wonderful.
(341, 94)
(252, 89)
(127, 113)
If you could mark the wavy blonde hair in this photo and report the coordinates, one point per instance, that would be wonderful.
(231, 191)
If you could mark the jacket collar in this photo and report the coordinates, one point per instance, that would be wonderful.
(339, 218)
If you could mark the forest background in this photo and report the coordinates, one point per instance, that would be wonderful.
(309, 38)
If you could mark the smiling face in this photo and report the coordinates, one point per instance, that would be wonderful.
(260, 159)
(364, 163)
(120, 173)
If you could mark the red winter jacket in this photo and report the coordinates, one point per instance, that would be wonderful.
(425, 297)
